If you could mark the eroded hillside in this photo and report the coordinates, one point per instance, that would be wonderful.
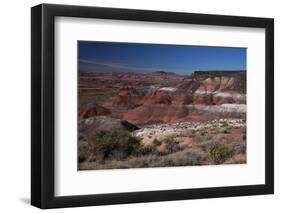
(135, 120)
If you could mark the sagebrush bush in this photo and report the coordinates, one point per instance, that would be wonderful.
(171, 144)
(145, 150)
(117, 144)
(219, 153)
(241, 149)
(156, 142)
(83, 151)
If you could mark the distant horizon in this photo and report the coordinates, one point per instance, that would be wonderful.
(148, 58)
(147, 72)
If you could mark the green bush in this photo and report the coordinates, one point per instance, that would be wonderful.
(117, 144)
(219, 153)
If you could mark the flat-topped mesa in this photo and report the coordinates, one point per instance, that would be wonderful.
(219, 73)
(162, 72)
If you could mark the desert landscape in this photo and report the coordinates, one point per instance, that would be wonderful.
(161, 118)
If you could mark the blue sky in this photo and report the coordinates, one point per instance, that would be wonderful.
(135, 57)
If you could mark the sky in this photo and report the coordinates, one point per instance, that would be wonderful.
(136, 57)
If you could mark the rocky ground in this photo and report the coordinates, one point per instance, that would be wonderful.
(182, 130)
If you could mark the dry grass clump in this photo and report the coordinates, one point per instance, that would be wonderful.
(219, 153)
(83, 151)
(237, 159)
(171, 144)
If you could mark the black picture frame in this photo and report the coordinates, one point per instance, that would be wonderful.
(43, 117)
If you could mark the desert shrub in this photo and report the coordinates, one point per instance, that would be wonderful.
(183, 161)
(156, 142)
(161, 152)
(219, 153)
(117, 144)
(182, 158)
(171, 144)
(193, 131)
(145, 161)
(209, 137)
(225, 131)
(240, 149)
(164, 162)
(145, 150)
(203, 133)
(204, 146)
(237, 159)
(83, 151)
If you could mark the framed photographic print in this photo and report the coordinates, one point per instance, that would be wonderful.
(139, 106)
